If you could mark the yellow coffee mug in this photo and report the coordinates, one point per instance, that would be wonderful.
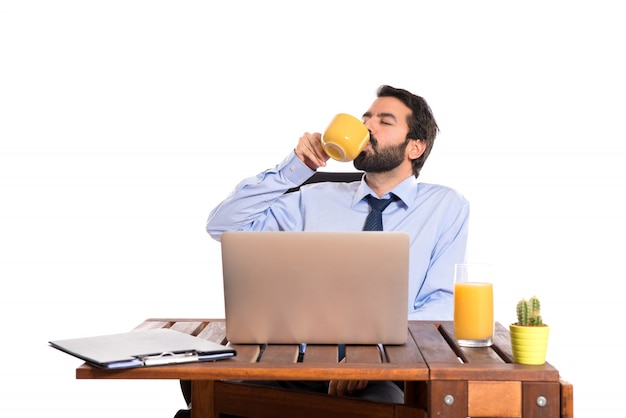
(345, 137)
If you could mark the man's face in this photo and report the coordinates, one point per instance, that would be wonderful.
(386, 120)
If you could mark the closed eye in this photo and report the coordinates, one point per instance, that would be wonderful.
(387, 119)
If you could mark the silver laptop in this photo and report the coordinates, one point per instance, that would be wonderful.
(316, 287)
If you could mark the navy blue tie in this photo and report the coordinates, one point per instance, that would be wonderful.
(374, 221)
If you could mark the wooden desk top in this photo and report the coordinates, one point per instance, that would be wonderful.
(429, 354)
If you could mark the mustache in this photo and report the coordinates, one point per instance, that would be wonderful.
(373, 141)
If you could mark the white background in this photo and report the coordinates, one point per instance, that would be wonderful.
(122, 123)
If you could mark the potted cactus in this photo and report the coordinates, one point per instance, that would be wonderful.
(529, 335)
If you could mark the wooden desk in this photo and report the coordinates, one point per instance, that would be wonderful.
(440, 377)
(484, 382)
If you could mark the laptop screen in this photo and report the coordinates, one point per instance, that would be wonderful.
(316, 287)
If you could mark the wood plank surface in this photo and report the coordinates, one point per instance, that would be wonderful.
(152, 325)
(214, 331)
(405, 353)
(479, 381)
(431, 343)
(320, 354)
(363, 354)
(430, 352)
(280, 354)
(188, 327)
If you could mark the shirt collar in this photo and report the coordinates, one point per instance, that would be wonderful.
(406, 191)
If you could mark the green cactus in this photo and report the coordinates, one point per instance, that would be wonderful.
(528, 312)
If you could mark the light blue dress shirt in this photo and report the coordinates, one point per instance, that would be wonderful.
(435, 217)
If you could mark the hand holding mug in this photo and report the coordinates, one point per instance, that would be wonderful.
(310, 150)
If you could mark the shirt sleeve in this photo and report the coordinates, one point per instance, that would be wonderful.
(434, 300)
(260, 203)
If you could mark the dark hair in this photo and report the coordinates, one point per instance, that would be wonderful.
(422, 124)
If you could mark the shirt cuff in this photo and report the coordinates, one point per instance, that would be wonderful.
(294, 170)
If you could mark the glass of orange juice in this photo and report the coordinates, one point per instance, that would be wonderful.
(473, 305)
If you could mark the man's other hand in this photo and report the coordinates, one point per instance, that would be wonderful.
(346, 387)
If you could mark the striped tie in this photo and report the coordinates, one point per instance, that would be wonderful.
(374, 221)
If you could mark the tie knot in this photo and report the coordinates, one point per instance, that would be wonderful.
(374, 220)
(379, 204)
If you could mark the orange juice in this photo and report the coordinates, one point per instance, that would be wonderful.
(473, 313)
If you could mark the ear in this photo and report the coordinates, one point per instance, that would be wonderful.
(416, 148)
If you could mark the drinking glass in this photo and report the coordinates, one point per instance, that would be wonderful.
(473, 305)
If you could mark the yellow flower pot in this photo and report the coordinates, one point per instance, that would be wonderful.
(529, 344)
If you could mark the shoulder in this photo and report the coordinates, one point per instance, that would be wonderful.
(440, 192)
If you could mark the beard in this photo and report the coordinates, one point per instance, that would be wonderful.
(381, 159)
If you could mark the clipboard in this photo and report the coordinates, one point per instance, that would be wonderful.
(142, 348)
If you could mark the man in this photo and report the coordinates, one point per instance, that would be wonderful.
(402, 132)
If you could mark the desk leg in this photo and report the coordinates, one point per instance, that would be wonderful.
(447, 398)
(415, 394)
(567, 399)
(541, 399)
(202, 394)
